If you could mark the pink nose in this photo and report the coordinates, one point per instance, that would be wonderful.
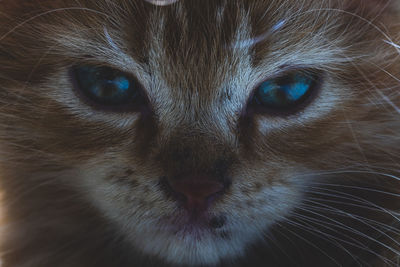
(198, 190)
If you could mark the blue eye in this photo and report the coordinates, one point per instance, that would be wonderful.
(106, 87)
(285, 94)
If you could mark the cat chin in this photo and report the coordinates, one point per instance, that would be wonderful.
(199, 247)
(172, 236)
(175, 240)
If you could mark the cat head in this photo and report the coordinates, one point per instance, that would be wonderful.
(194, 127)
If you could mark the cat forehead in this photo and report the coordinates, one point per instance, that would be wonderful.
(203, 38)
(197, 34)
(201, 35)
(198, 47)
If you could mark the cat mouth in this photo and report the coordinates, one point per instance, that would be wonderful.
(198, 227)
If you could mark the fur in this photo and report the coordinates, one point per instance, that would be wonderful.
(316, 188)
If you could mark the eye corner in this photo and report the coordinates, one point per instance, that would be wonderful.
(286, 94)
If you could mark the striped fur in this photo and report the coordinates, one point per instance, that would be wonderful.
(316, 188)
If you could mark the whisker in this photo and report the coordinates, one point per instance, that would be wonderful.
(356, 244)
(363, 222)
(47, 13)
(388, 101)
(330, 238)
(357, 187)
(393, 44)
(388, 228)
(307, 241)
(354, 198)
(349, 172)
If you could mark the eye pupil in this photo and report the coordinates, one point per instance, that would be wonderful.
(286, 93)
(105, 87)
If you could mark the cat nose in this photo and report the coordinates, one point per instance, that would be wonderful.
(196, 191)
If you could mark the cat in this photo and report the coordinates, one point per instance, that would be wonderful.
(200, 133)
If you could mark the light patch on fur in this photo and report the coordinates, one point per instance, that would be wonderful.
(390, 42)
(77, 107)
(162, 2)
(105, 50)
(78, 45)
(253, 41)
(327, 101)
(110, 40)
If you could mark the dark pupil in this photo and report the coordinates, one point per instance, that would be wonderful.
(105, 85)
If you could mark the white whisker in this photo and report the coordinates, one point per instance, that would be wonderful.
(47, 13)
(356, 243)
(307, 241)
(388, 101)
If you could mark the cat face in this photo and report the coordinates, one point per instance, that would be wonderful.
(194, 127)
